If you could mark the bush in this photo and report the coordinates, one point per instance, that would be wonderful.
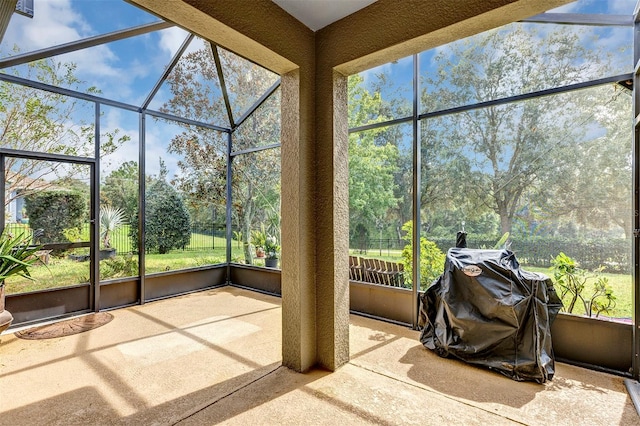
(573, 280)
(119, 266)
(167, 220)
(605, 254)
(431, 258)
(54, 212)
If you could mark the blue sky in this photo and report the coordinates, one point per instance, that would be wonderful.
(610, 39)
(123, 70)
(127, 70)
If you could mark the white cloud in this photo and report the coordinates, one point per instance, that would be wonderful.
(622, 7)
(171, 39)
(619, 7)
(122, 71)
(55, 22)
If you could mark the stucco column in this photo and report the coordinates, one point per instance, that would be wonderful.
(298, 219)
(313, 66)
(332, 218)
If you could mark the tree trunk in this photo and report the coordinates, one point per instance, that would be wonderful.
(505, 219)
(247, 214)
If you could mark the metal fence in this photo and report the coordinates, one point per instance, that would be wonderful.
(204, 236)
(378, 246)
(614, 255)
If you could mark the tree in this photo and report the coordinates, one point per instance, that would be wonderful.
(594, 192)
(42, 121)
(167, 221)
(372, 162)
(432, 259)
(203, 161)
(497, 157)
(120, 190)
(53, 212)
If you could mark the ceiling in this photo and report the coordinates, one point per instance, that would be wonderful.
(317, 14)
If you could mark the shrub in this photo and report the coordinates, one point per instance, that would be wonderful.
(167, 220)
(431, 258)
(260, 239)
(573, 280)
(606, 254)
(54, 212)
(119, 266)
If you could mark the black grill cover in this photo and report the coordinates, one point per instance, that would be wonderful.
(485, 310)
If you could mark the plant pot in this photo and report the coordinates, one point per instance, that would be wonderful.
(260, 253)
(109, 253)
(271, 262)
(79, 257)
(5, 316)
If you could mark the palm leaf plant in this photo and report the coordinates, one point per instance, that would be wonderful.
(16, 255)
(111, 218)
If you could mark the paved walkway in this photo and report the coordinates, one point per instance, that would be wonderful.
(214, 358)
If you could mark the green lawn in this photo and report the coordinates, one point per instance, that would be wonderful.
(388, 255)
(62, 271)
(620, 283)
(622, 290)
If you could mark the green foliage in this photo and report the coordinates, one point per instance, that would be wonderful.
(573, 280)
(508, 158)
(431, 258)
(16, 255)
(167, 223)
(120, 189)
(54, 212)
(119, 267)
(237, 235)
(72, 234)
(259, 237)
(269, 243)
(272, 248)
(45, 121)
(202, 152)
(609, 255)
(501, 242)
(360, 237)
(372, 161)
(167, 220)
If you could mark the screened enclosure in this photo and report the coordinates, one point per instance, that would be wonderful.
(145, 161)
(522, 138)
(132, 151)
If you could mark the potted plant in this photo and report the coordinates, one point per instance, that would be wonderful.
(16, 256)
(259, 241)
(111, 218)
(272, 251)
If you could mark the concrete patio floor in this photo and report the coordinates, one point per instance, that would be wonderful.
(214, 358)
